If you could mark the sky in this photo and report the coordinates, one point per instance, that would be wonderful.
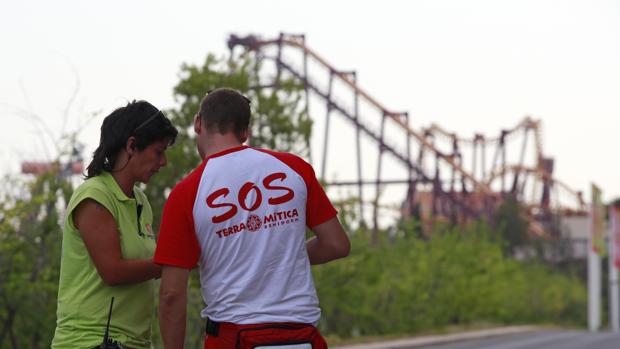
(469, 66)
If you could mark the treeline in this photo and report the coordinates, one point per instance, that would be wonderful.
(30, 243)
(457, 276)
(405, 284)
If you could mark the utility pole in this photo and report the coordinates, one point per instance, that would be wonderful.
(614, 230)
(595, 249)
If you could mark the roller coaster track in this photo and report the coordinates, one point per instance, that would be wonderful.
(476, 196)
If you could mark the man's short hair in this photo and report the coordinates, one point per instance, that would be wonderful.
(226, 109)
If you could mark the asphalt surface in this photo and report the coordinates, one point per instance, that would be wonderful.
(547, 339)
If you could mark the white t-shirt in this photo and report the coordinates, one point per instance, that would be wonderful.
(242, 217)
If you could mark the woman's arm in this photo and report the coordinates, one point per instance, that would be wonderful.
(101, 237)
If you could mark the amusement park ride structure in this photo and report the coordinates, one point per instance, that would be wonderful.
(446, 176)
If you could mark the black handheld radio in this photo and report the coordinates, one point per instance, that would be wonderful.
(108, 343)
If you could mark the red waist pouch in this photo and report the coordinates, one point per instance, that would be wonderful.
(280, 335)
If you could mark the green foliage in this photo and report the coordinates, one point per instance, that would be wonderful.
(512, 226)
(279, 121)
(30, 238)
(454, 278)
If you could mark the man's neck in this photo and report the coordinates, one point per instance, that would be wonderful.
(219, 144)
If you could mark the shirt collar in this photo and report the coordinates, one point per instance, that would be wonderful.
(227, 151)
(111, 183)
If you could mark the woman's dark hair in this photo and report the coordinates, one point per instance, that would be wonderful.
(139, 119)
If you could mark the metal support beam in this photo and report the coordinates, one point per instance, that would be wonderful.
(327, 120)
(358, 147)
(377, 187)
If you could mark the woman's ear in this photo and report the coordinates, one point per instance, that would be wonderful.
(130, 146)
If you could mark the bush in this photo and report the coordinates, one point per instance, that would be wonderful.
(459, 276)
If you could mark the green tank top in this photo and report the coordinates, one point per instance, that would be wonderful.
(83, 297)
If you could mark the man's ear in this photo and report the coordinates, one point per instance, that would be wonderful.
(197, 124)
(245, 135)
(130, 146)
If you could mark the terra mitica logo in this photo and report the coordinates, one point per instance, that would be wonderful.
(254, 222)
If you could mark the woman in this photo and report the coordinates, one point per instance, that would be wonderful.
(108, 243)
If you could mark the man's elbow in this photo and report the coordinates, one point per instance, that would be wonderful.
(172, 301)
(345, 249)
(341, 249)
(169, 298)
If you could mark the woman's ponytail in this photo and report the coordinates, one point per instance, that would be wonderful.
(99, 163)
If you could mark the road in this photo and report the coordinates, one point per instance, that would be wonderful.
(547, 339)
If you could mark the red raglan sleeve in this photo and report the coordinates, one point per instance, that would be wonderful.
(177, 244)
(318, 207)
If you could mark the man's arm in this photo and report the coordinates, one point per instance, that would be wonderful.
(331, 242)
(172, 306)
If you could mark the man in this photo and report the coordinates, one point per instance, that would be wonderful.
(241, 216)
